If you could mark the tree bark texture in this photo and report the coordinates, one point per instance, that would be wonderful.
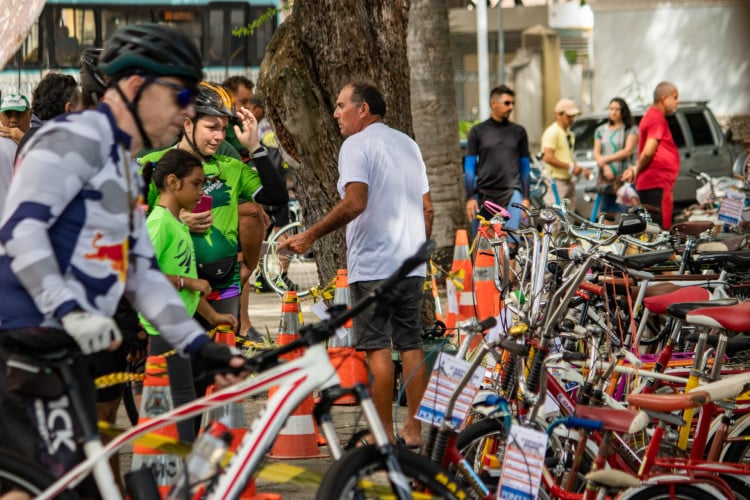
(320, 47)
(433, 104)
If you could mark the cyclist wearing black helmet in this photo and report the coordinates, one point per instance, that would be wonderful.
(228, 182)
(74, 240)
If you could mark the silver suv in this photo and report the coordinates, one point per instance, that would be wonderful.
(702, 146)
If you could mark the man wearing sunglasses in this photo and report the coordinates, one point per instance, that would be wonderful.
(496, 165)
(74, 241)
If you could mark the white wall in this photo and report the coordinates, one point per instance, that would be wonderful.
(703, 49)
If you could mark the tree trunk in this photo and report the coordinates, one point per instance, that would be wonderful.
(321, 46)
(433, 105)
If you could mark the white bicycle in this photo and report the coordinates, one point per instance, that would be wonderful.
(376, 470)
(285, 271)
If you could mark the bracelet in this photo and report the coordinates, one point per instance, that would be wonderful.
(180, 283)
(572, 168)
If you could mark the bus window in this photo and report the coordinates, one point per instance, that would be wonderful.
(223, 48)
(74, 30)
(113, 18)
(262, 36)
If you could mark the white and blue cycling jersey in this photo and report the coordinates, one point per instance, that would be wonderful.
(73, 233)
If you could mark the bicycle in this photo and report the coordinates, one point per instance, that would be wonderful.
(295, 380)
(288, 271)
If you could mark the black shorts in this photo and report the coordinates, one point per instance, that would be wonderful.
(396, 327)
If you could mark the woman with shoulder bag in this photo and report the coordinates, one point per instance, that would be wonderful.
(614, 144)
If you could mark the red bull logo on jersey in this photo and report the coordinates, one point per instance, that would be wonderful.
(116, 254)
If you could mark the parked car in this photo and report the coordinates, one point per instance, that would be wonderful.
(702, 145)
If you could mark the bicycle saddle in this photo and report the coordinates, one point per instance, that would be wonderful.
(692, 228)
(658, 304)
(680, 309)
(739, 258)
(734, 318)
(641, 260)
(39, 342)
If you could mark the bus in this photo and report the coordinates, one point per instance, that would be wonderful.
(66, 27)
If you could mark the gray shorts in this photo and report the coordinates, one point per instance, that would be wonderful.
(382, 327)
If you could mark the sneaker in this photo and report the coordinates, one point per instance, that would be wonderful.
(261, 286)
(253, 335)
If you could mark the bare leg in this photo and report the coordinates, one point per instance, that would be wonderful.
(251, 233)
(416, 374)
(245, 322)
(381, 365)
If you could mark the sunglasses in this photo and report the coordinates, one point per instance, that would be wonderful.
(508, 103)
(185, 96)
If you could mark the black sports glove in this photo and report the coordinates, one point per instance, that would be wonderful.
(212, 358)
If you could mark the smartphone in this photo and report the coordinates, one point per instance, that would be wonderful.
(204, 205)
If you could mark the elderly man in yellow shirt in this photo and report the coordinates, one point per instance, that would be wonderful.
(558, 145)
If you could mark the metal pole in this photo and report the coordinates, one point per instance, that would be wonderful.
(500, 44)
(483, 71)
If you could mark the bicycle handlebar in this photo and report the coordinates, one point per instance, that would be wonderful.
(313, 334)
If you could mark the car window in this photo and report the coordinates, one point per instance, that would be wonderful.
(699, 128)
(677, 135)
(584, 129)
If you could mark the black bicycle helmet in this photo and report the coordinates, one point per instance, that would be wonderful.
(155, 49)
(213, 100)
(92, 80)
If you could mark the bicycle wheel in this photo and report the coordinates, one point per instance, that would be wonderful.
(361, 473)
(287, 271)
(483, 436)
(17, 473)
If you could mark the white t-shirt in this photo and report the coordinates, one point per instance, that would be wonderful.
(391, 228)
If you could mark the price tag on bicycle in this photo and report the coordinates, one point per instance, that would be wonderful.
(522, 464)
(730, 210)
(445, 376)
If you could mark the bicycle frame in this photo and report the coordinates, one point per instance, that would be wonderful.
(295, 379)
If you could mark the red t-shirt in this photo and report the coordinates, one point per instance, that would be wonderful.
(663, 169)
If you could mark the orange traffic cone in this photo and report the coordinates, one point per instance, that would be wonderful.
(487, 296)
(230, 412)
(297, 439)
(349, 363)
(460, 302)
(157, 399)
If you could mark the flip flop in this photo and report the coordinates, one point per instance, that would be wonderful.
(401, 441)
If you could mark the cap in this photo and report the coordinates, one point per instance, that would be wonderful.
(14, 102)
(568, 107)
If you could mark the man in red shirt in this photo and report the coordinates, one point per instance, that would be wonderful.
(658, 157)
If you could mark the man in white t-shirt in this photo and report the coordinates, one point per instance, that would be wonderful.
(387, 209)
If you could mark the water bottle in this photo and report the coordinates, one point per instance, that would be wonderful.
(203, 461)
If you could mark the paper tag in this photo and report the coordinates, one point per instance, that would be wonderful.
(450, 290)
(522, 464)
(446, 374)
(320, 310)
(730, 210)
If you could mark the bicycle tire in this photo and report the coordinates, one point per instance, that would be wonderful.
(343, 479)
(679, 491)
(17, 472)
(473, 438)
(302, 270)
